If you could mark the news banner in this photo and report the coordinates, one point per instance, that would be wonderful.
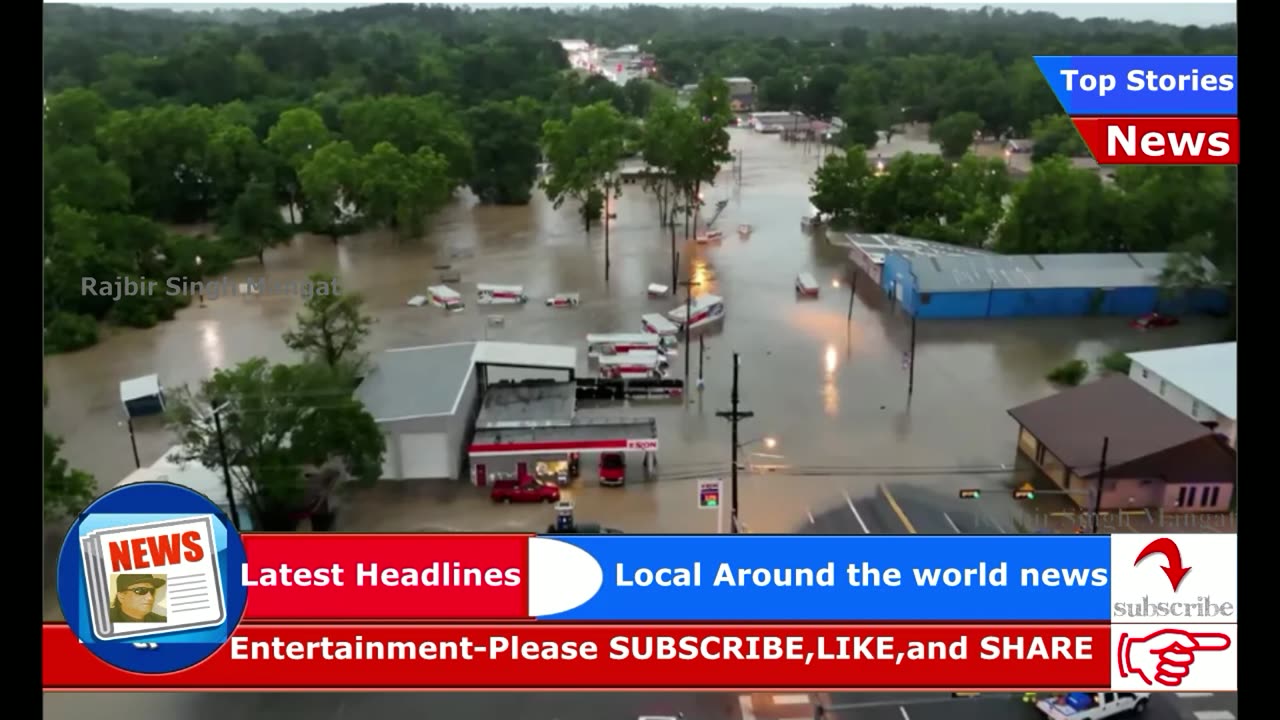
(1150, 110)
(161, 593)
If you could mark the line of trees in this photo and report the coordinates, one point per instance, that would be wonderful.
(346, 132)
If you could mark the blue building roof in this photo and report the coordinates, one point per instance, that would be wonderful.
(961, 273)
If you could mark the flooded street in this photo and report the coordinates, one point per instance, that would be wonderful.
(832, 392)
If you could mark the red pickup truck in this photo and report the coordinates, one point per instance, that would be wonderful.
(526, 489)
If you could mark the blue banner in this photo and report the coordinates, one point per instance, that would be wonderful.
(852, 578)
(1142, 85)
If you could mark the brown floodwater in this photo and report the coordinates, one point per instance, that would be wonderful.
(831, 391)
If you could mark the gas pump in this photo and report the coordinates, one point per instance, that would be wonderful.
(574, 465)
(564, 516)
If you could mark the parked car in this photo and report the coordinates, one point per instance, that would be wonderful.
(1153, 320)
(613, 469)
(524, 490)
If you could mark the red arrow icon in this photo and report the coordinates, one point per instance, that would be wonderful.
(1174, 570)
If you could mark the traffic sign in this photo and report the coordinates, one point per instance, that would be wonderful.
(970, 494)
(1025, 491)
(709, 492)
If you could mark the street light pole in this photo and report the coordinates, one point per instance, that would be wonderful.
(226, 468)
(133, 441)
(688, 286)
(608, 193)
(911, 369)
(734, 415)
(1102, 478)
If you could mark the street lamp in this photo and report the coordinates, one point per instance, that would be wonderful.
(199, 262)
(133, 440)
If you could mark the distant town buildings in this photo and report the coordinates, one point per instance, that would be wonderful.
(619, 64)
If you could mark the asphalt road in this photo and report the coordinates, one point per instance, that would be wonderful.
(386, 706)
(1004, 706)
(900, 509)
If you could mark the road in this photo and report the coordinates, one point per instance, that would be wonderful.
(363, 706)
(1005, 706)
(906, 509)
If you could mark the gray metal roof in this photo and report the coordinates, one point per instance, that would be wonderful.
(882, 244)
(954, 273)
(417, 382)
(528, 403)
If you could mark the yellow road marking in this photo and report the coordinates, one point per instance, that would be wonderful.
(897, 510)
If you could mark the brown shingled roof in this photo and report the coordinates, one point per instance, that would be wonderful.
(1073, 423)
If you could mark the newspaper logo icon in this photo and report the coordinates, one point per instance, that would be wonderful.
(151, 578)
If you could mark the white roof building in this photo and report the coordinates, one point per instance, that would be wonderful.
(1199, 380)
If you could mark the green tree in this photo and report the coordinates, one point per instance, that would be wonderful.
(1059, 209)
(293, 139)
(402, 191)
(506, 150)
(840, 185)
(639, 93)
(76, 177)
(67, 491)
(711, 99)
(236, 159)
(280, 423)
(253, 222)
(330, 181)
(581, 153)
(411, 123)
(906, 199)
(72, 118)
(331, 328)
(1056, 135)
(972, 201)
(954, 133)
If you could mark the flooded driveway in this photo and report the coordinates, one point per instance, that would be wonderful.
(832, 391)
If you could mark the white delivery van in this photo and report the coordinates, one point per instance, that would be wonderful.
(806, 285)
(500, 294)
(705, 309)
(663, 328)
(599, 346)
(634, 365)
(445, 297)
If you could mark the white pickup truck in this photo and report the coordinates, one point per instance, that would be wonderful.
(1096, 706)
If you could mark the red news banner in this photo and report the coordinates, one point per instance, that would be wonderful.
(1161, 140)
(554, 656)
(333, 582)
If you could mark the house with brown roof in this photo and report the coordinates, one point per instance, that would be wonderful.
(1155, 457)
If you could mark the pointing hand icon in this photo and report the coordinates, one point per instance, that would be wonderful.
(1165, 656)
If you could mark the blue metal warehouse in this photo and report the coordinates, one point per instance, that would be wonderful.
(979, 285)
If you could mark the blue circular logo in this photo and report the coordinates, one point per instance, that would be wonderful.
(147, 577)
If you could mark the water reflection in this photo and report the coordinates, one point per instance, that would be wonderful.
(211, 344)
(830, 395)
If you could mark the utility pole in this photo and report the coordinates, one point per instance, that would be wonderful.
(133, 441)
(606, 232)
(702, 349)
(226, 469)
(734, 415)
(1102, 478)
(675, 256)
(911, 369)
(853, 292)
(688, 286)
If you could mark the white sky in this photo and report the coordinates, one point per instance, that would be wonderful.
(1165, 11)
